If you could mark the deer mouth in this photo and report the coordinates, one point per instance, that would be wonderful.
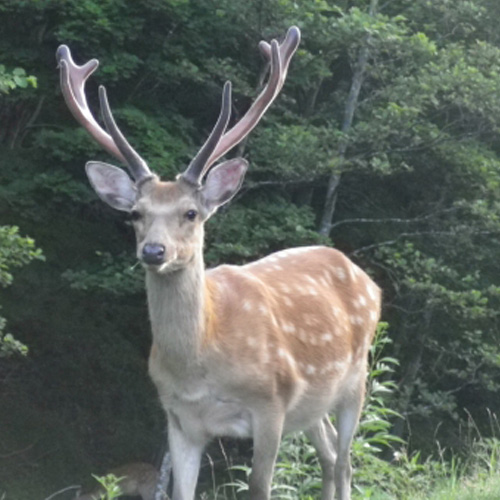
(165, 267)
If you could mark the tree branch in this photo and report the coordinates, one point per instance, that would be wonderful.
(417, 233)
(393, 219)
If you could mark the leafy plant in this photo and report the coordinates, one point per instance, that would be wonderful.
(17, 77)
(15, 251)
(111, 486)
(374, 438)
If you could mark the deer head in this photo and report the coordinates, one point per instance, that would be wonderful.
(168, 217)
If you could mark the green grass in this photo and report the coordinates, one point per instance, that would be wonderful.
(473, 488)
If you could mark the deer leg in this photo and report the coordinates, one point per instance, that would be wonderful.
(323, 437)
(186, 458)
(267, 430)
(347, 421)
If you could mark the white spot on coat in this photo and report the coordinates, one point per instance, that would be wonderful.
(251, 341)
(310, 369)
(356, 320)
(371, 291)
(340, 273)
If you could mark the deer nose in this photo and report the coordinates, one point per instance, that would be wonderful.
(153, 253)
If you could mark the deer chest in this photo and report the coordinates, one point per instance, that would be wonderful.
(202, 408)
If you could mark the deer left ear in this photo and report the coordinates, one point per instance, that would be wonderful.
(223, 182)
(112, 185)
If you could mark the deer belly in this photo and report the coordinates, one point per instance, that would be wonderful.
(201, 410)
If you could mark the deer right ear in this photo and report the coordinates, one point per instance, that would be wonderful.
(223, 182)
(112, 185)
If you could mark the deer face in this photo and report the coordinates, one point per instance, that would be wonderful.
(168, 222)
(168, 217)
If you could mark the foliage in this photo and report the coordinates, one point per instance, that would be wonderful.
(274, 224)
(111, 486)
(375, 438)
(15, 251)
(9, 80)
(115, 275)
(8, 344)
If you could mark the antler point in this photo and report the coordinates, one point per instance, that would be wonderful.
(62, 53)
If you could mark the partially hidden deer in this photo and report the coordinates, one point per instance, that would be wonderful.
(135, 479)
(256, 350)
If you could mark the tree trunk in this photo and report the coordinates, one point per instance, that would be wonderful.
(350, 108)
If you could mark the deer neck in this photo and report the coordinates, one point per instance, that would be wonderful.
(177, 303)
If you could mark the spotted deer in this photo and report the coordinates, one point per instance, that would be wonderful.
(256, 350)
(135, 479)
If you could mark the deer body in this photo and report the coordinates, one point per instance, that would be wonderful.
(296, 336)
(294, 349)
(246, 351)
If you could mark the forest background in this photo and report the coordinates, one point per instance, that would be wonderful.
(383, 143)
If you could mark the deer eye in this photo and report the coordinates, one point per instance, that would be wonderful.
(135, 215)
(191, 215)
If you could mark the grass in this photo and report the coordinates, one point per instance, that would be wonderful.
(469, 488)
(475, 476)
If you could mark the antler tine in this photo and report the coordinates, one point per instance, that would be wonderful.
(137, 166)
(73, 78)
(287, 49)
(194, 171)
(279, 57)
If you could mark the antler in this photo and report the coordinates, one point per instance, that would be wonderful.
(194, 172)
(279, 57)
(73, 78)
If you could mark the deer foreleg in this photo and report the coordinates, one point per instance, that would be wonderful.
(267, 430)
(186, 457)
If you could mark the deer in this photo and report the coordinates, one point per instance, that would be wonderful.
(135, 479)
(251, 351)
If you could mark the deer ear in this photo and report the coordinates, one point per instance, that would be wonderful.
(112, 185)
(223, 182)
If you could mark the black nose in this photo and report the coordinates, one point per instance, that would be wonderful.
(153, 253)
